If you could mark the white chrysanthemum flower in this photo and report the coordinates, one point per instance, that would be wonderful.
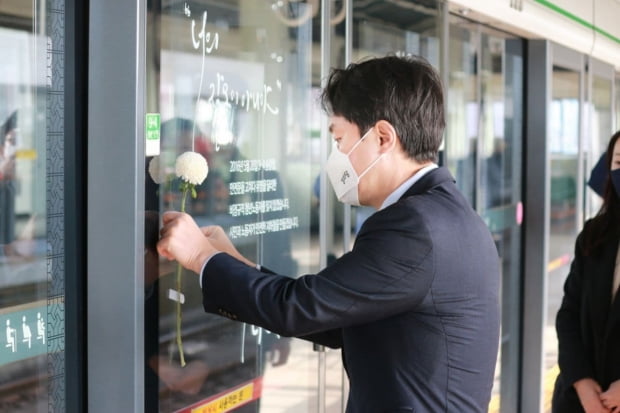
(192, 167)
(155, 170)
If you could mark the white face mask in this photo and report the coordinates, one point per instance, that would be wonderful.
(342, 175)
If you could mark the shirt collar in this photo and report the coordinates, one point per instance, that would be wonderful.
(395, 196)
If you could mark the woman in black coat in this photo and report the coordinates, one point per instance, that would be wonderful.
(588, 322)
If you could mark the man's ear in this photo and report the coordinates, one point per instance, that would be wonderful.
(387, 136)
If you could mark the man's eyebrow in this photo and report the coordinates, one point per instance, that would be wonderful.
(331, 128)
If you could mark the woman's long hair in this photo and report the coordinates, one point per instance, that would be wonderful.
(606, 224)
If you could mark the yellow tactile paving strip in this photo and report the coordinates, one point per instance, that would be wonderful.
(548, 383)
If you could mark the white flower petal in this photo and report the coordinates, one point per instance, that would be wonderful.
(192, 167)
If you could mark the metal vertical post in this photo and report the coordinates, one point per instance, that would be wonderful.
(115, 247)
(348, 45)
(76, 85)
(444, 63)
(348, 49)
(323, 192)
(536, 229)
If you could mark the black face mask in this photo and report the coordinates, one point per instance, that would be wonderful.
(615, 180)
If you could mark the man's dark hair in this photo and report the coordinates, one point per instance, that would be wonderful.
(405, 91)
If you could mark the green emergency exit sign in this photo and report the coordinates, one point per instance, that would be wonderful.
(152, 130)
(153, 123)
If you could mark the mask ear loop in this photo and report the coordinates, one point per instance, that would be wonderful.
(370, 166)
(373, 162)
(358, 142)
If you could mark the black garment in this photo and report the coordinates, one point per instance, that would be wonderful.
(588, 324)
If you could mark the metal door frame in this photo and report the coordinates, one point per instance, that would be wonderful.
(115, 180)
(542, 56)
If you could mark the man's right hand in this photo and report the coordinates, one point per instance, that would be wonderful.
(182, 240)
(218, 238)
(589, 392)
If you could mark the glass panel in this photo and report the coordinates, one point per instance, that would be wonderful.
(31, 207)
(382, 28)
(601, 118)
(564, 165)
(600, 131)
(496, 179)
(463, 110)
(617, 103)
(501, 108)
(234, 82)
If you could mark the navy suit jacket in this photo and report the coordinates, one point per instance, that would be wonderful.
(414, 305)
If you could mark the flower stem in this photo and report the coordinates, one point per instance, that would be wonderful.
(179, 278)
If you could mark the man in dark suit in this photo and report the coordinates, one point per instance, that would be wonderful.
(414, 305)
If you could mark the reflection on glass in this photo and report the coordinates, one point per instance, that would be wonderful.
(600, 130)
(232, 82)
(617, 102)
(31, 284)
(495, 183)
(601, 115)
(563, 158)
(499, 194)
(463, 107)
(395, 28)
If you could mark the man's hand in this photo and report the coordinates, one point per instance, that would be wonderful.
(589, 393)
(182, 240)
(611, 397)
(219, 240)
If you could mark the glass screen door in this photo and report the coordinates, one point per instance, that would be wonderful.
(233, 82)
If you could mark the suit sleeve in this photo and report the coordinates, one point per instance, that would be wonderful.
(389, 271)
(572, 356)
(330, 338)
